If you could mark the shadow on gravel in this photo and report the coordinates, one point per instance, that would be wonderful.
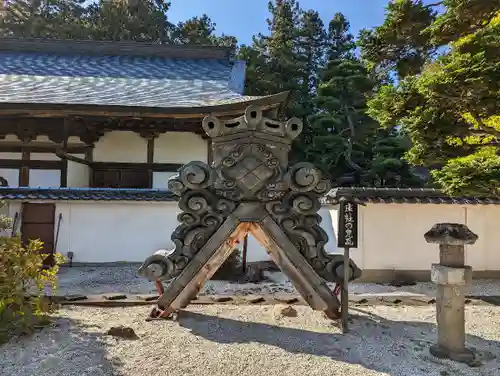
(64, 348)
(393, 347)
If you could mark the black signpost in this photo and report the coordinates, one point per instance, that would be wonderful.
(347, 238)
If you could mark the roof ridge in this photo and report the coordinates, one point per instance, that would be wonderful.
(115, 48)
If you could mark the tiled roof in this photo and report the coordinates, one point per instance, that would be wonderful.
(85, 194)
(146, 81)
(364, 195)
(405, 196)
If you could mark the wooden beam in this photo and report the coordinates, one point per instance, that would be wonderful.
(160, 167)
(60, 110)
(28, 164)
(16, 147)
(65, 156)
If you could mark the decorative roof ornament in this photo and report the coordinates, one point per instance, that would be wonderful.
(253, 121)
(249, 188)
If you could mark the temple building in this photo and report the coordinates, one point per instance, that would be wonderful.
(91, 131)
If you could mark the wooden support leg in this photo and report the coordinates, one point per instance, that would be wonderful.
(185, 287)
(313, 289)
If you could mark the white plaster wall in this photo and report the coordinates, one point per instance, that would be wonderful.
(78, 174)
(180, 147)
(160, 179)
(12, 176)
(121, 146)
(10, 138)
(256, 252)
(484, 220)
(10, 155)
(392, 235)
(91, 229)
(44, 157)
(45, 178)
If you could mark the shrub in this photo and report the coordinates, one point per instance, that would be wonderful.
(23, 279)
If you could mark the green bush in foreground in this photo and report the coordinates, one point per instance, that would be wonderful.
(23, 280)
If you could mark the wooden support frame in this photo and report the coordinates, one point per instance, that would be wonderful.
(249, 218)
(249, 188)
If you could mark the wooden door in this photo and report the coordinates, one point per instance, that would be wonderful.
(38, 222)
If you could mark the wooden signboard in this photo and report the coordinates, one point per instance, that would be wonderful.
(348, 225)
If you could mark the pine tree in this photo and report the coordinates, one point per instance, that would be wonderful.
(273, 61)
(388, 167)
(341, 130)
(144, 20)
(201, 30)
(43, 19)
(311, 54)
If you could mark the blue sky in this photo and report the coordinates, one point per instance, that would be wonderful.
(246, 18)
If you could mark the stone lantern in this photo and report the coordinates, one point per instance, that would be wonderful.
(451, 276)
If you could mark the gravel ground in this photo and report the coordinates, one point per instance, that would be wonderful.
(247, 340)
(124, 279)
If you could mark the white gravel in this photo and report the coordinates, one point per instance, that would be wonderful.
(249, 340)
(124, 279)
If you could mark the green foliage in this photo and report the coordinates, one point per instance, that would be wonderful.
(400, 43)
(449, 107)
(338, 140)
(279, 61)
(47, 19)
(135, 20)
(477, 174)
(22, 272)
(388, 167)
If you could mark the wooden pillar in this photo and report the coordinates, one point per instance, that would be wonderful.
(64, 162)
(89, 157)
(150, 158)
(24, 170)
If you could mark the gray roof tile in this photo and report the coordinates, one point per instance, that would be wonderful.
(404, 196)
(86, 194)
(364, 195)
(27, 77)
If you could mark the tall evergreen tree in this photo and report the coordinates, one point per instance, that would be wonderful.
(341, 130)
(388, 168)
(144, 20)
(311, 54)
(201, 30)
(43, 19)
(274, 59)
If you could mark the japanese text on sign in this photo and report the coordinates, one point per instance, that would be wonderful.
(348, 225)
